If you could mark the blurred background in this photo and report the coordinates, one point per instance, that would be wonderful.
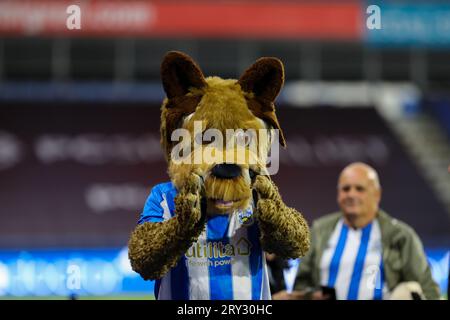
(79, 121)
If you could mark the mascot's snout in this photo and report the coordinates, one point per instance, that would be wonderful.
(226, 171)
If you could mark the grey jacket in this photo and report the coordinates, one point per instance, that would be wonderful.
(403, 255)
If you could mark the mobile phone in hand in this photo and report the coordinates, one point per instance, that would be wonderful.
(329, 291)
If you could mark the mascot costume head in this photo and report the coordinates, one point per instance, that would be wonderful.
(203, 234)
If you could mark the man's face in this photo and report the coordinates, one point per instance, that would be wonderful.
(357, 193)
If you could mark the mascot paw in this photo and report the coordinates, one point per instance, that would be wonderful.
(188, 202)
(265, 188)
(267, 210)
(268, 205)
(194, 184)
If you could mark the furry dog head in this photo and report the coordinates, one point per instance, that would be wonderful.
(219, 129)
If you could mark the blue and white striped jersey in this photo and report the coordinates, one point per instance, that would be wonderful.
(352, 263)
(227, 262)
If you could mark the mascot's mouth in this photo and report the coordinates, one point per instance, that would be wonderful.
(228, 187)
(222, 204)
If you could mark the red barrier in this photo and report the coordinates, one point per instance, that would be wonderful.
(268, 19)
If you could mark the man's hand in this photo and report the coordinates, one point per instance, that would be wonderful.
(300, 295)
(284, 295)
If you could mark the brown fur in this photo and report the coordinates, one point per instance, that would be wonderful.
(154, 248)
(264, 78)
(284, 231)
(172, 113)
(179, 73)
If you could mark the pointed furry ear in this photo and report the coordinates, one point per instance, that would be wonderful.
(264, 78)
(179, 73)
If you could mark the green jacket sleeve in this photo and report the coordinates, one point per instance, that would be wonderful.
(416, 267)
(305, 276)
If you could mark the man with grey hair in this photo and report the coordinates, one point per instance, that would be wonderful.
(361, 253)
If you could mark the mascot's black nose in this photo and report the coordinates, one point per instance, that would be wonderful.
(226, 171)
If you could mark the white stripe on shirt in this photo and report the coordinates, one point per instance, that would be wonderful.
(165, 290)
(327, 254)
(371, 262)
(198, 271)
(265, 290)
(240, 269)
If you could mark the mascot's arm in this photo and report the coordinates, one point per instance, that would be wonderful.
(154, 248)
(284, 231)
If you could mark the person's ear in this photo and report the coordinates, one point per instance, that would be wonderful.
(264, 79)
(379, 194)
